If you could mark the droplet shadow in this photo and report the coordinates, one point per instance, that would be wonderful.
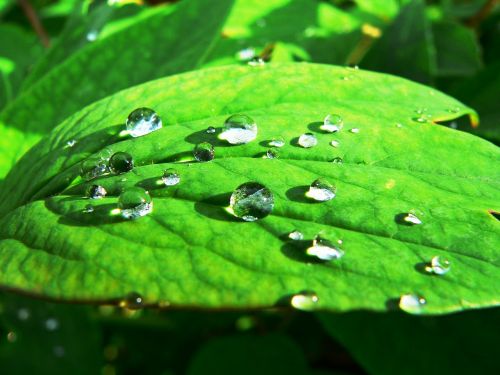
(100, 215)
(298, 194)
(296, 250)
(315, 127)
(400, 219)
(213, 208)
(212, 138)
(422, 268)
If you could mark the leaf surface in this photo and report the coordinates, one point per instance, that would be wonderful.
(191, 252)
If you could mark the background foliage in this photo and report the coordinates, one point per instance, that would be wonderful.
(451, 45)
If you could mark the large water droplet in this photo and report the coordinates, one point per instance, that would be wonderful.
(412, 303)
(121, 162)
(277, 142)
(251, 201)
(93, 167)
(96, 192)
(171, 177)
(438, 265)
(305, 301)
(239, 129)
(273, 153)
(204, 152)
(142, 121)
(134, 202)
(132, 301)
(321, 190)
(332, 123)
(324, 249)
(296, 235)
(308, 140)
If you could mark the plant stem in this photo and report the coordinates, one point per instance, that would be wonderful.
(485, 10)
(32, 17)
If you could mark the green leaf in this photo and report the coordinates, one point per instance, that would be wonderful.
(191, 252)
(119, 61)
(249, 354)
(406, 47)
(463, 343)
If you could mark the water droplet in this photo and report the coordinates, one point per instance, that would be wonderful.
(454, 110)
(438, 265)
(453, 125)
(354, 130)
(332, 123)
(210, 130)
(412, 303)
(246, 54)
(251, 201)
(321, 190)
(11, 336)
(132, 301)
(134, 202)
(59, 351)
(324, 249)
(204, 152)
(420, 111)
(88, 209)
(96, 192)
(411, 218)
(305, 301)
(92, 35)
(23, 314)
(93, 167)
(335, 143)
(256, 61)
(308, 140)
(51, 324)
(273, 153)
(239, 129)
(296, 235)
(277, 142)
(142, 121)
(171, 177)
(398, 125)
(420, 119)
(337, 160)
(121, 162)
(71, 143)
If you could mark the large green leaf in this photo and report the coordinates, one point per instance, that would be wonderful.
(119, 61)
(191, 252)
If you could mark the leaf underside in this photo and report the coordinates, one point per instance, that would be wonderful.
(191, 252)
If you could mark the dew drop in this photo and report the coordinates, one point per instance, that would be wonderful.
(308, 140)
(210, 130)
(132, 301)
(453, 125)
(121, 162)
(324, 249)
(305, 301)
(277, 142)
(273, 153)
(142, 121)
(398, 125)
(332, 123)
(337, 160)
(296, 235)
(93, 167)
(88, 209)
(420, 119)
(51, 324)
(438, 265)
(412, 303)
(71, 143)
(335, 143)
(239, 129)
(204, 152)
(171, 177)
(251, 201)
(96, 192)
(11, 336)
(23, 314)
(246, 54)
(354, 130)
(134, 202)
(256, 61)
(92, 35)
(454, 110)
(321, 190)
(412, 219)
(420, 111)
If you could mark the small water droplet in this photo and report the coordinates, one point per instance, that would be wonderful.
(337, 160)
(71, 143)
(332, 123)
(321, 190)
(251, 201)
(277, 142)
(210, 130)
(454, 110)
(121, 162)
(354, 130)
(335, 143)
(420, 119)
(296, 235)
(96, 192)
(246, 54)
(398, 125)
(256, 61)
(273, 153)
(453, 125)
(420, 111)
(93, 167)
(239, 129)
(11, 336)
(142, 121)
(88, 209)
(204, 152)
(438, 265)
(308, 140)
(324, 249)
(132, 301)
(305, 301)
(51, 324)
(171, 177)
(412, 218)
(134, 202)
(92, 35)
(23, 314)
(412, 303)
